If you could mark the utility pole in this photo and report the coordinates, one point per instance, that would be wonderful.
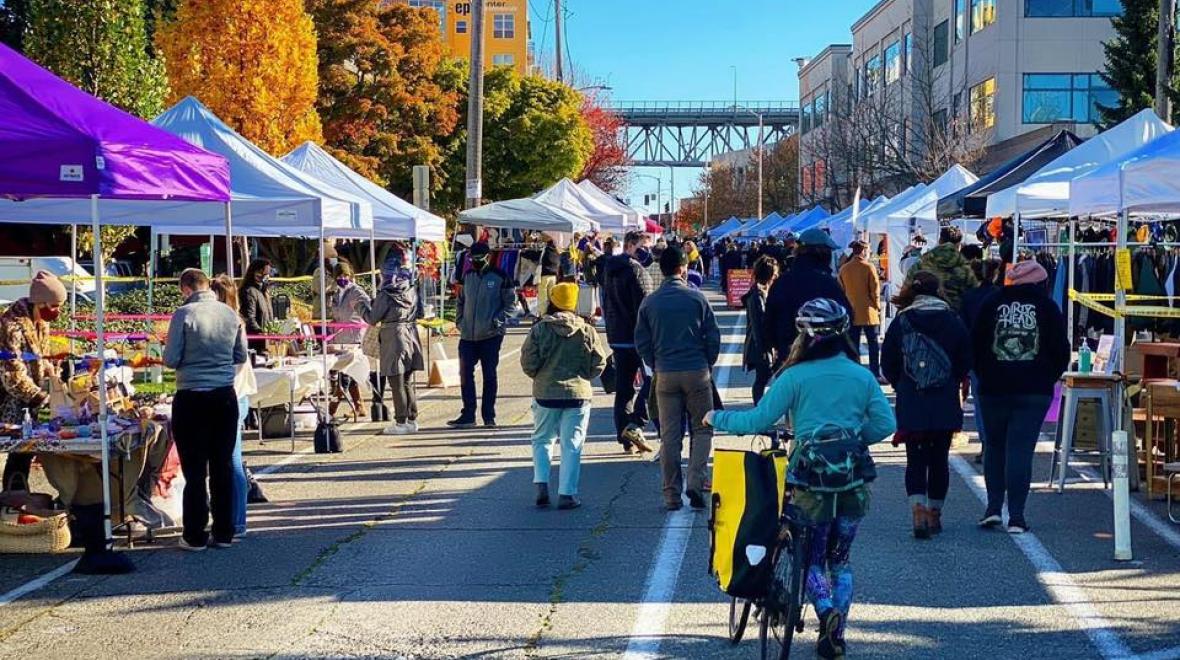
(761, 152)
(558, 22)
(475, 110)
(672, 199)
(1164, 59)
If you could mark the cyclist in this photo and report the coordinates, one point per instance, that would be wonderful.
(823, 386)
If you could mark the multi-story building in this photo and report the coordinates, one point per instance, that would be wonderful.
(824, 88)
(1003, 71)
(506, 30)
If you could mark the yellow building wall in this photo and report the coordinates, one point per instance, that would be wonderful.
(456, 35)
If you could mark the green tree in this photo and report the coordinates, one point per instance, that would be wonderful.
(534, 135)
(1131, 62)
(100, 46)
(13, 21)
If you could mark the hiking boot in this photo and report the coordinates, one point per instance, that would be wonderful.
(934, 520)
(921, 522)
(696, 500)
(462, 423)
(542, 496)
(634, 435)
(830, 645)
(567, 502)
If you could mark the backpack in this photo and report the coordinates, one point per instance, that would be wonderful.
(831, 461)
(926, 363)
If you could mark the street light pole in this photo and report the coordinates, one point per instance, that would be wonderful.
(1165, 50)
(560, 59)
(474, 191)
(761, 152)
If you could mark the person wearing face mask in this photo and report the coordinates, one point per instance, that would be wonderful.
(486, 302)
(348, 304)
(24, 332)
(254, 300)
(324, 292)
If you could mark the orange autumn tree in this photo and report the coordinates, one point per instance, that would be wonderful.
(252, 62)
(607, 165)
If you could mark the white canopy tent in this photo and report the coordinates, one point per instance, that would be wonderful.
(528, 215)
(634, 219)
(1145, 181)
(1047, 192)
(393, 217)
(876, 221)
(842, 227)
(566, 195)
(918, 214)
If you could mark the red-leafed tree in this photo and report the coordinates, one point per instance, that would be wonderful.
(607, 164)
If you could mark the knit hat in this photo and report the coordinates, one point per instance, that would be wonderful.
(46, 289)
(1027, 272)
(564, 296)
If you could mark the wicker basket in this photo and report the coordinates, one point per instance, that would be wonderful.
(51, 534)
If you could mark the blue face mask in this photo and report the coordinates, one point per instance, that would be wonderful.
(643, 256)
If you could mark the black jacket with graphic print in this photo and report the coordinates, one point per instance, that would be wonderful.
(1020, 342)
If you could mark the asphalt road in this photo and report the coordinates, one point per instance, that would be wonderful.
(429, 547)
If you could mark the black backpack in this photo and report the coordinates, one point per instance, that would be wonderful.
(925, 362)
(327, 436)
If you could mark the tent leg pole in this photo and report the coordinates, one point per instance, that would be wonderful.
(73, 284)
(373, 259)
(100, 344)
(1073, 223)
(229, 241)
(1016, 234)
(324, 320)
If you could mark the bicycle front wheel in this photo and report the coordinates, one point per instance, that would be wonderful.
(773, 636)
(739, 615)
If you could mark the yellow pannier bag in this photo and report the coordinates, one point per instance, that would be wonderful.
(747, 503)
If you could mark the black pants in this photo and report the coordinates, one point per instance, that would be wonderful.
(205, 427)
(486, 353)
(870, 333)
(405, 397)
(927, 469)
(629, 408)
(14, 465)
(762, 375)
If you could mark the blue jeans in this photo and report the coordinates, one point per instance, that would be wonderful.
(567, 425)
(486, 353)
(978, 408)
(1013, 425)
(241, 485)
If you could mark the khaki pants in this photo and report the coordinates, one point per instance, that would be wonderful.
(545, 284)
(677, 392)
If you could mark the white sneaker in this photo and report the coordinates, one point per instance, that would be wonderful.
(411, 426)
(394, 429)
(184, 545)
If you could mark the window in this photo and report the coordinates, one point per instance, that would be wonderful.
(941, 47)
(1053, 97)
(893, 62)
(939, 121)
(460, 27)
(983, 14)
(1070, 8)
(873, 75)
(983, 104)
(960, 20)
(907, 53)
(504, 26)
(821, 109)
(503, 59)
(439, 6)
(805, 120)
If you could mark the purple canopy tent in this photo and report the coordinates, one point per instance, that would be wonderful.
(58, 142)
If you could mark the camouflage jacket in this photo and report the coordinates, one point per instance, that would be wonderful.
(950, 267)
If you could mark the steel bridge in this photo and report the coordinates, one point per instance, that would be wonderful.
(693, 133)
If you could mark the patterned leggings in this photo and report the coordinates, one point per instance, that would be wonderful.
(829, 578)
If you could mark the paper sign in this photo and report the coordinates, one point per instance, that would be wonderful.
(475, 189)
(1122, 259)
(738, 284)
(71, 173)
(1102, 357)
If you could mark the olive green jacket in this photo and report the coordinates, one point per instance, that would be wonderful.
(562, 354)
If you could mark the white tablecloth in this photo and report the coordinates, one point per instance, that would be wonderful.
(275, 383)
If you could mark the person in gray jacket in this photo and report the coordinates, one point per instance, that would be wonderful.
(395, 309)
(486, 302)
(206, 342)
(677, 336)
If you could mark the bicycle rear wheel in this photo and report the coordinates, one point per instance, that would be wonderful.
(796, 573)
(739, 615)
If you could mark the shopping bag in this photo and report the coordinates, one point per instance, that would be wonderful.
(747, 504)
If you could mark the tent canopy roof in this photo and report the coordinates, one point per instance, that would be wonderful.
(1047, 192)
(876, 219)
(971, 202)
(58, 141)
(810, 218)
(925, 205)
(634, 218)
(393, 217)
(1146, 180)
(526, 214)
(566, 195)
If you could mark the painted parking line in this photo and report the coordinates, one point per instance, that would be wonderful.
(1060, 586)
(660, 586)
(1146, 517)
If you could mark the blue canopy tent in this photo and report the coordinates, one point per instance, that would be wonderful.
(809, 219)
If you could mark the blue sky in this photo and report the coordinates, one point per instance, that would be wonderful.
(684, 49)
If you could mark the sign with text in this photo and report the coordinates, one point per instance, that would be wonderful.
(738, 283)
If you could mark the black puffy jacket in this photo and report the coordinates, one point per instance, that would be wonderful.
(624, 282)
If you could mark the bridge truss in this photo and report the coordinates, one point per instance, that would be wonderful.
(694, 133)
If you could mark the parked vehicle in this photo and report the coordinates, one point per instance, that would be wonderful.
(17, 272)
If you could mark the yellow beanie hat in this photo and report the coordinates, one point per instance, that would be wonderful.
(564, 296)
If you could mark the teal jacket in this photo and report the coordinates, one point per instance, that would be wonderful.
(830, 392)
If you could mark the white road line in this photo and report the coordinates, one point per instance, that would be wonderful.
(1141, 512)
(1165, 654)
(1059, 584)
(660, 589)
(36, 584)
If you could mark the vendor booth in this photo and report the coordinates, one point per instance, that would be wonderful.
(567, 195)
(634, 219)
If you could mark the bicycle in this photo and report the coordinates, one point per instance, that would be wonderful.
(780, 612)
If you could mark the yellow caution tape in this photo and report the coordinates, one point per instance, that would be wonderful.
(1094, 302)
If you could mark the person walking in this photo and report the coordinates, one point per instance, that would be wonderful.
(1021, 350)
(862, 285)
(562, 354)
(625, 285)
(24, 331)
(677, 335)
(990, 273)
(951, 267)
(245, 386)
(927, 354)
(206, 342)
(486, 302)
(254, 299)
(809, 278)
(395, 312)
(549, 258)
(824, 390)
(756, 353)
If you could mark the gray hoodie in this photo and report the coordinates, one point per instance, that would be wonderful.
(487, 301)
(206, 340)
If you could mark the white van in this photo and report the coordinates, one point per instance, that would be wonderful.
(17, 272)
